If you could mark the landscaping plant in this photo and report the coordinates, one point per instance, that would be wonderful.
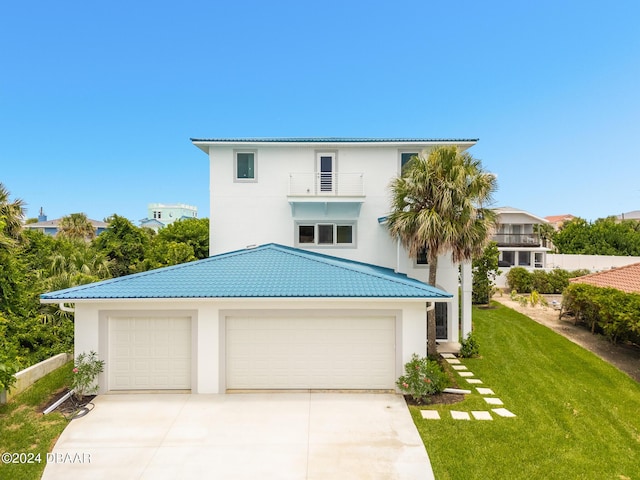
(469, 347)
(87, 367)
(422, 378)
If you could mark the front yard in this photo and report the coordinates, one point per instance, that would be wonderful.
(577, 416)
(25, 430)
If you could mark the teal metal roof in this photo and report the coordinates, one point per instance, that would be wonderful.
(331, 140)
(267, 271)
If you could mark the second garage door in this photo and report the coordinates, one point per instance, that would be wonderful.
(264, 352)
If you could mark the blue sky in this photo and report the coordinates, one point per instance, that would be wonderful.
(98, 100)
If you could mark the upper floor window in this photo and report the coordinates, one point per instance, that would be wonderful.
(404, 159)
(423, 257)
(245, 166)
(325, 234)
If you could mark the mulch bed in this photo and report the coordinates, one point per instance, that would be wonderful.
(438, 399)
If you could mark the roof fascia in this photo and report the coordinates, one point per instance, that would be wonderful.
(248, 299)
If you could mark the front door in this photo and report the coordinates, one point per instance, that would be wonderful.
(326, 169)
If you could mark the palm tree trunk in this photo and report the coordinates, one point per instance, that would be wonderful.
(432, 351)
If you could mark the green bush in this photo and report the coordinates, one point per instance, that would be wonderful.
(607, 310)
(423, 377)
(469, 347)
(519, 278)
(545, 282)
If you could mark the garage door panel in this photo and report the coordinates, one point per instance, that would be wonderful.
(312, 352)
(149, 353)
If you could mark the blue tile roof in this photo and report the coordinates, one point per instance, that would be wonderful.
(263, 272)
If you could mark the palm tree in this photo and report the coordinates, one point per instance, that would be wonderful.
(77, 227)
(11, 216)
(438, 207)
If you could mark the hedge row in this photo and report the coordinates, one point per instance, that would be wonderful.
(554, 281)
(612, 312)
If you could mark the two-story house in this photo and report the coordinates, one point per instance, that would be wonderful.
(519, 243)
(305, 287)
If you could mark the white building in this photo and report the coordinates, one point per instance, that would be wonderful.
(518, 242)
(159, 215)
(329, 195)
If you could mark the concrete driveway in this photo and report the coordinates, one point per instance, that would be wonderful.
(242, 436)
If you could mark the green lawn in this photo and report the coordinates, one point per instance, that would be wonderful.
(577, 416)
(24, 429)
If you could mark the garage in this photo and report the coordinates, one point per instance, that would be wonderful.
(149, 353)
(310, 351)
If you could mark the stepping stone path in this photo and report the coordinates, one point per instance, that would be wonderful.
(487, 394)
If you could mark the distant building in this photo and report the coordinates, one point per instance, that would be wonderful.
(51, 227)
(635, 215)
(557, 221)
(159, 215)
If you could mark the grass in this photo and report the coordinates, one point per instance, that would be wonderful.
(24, 429)
(578, 417)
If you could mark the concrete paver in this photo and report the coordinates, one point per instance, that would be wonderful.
(244, 436)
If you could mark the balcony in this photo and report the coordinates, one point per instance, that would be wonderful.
(324, 186)
(517, 239)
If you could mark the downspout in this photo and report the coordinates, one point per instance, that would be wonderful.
(64, 308)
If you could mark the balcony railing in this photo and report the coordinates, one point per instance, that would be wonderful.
(322, 184)
(517, 239)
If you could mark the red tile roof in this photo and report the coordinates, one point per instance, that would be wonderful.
(625, 278)
(559, 218)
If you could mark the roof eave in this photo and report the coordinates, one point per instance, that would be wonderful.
(53, 301)
(204, 143)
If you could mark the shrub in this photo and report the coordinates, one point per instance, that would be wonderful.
(606, 310)
(553, 281)
(423, 377)
(87, 368)
(519, 278)
(469, 347)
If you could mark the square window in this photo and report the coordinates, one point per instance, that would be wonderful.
(524, 259)
(306, 234)
(344, 234)
(245, 166)
(404, 159)
(509, 257)
(325, 234)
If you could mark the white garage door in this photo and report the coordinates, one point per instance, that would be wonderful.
(313, 352)
(149, 353)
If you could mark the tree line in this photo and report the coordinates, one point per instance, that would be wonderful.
(605, 236)
(32, 263)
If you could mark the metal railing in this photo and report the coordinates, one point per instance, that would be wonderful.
(517, 239)
(323, 184)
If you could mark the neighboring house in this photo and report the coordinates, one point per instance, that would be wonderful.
(635, 215)
(557, 221)
(305, 288)
(626, 279)
(51, 227)
(518, 243)
(159, 215)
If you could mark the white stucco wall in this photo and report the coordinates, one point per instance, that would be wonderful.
(259, 212)
(208, 336)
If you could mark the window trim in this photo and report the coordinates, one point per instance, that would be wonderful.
(235, 166)
(316, 234)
